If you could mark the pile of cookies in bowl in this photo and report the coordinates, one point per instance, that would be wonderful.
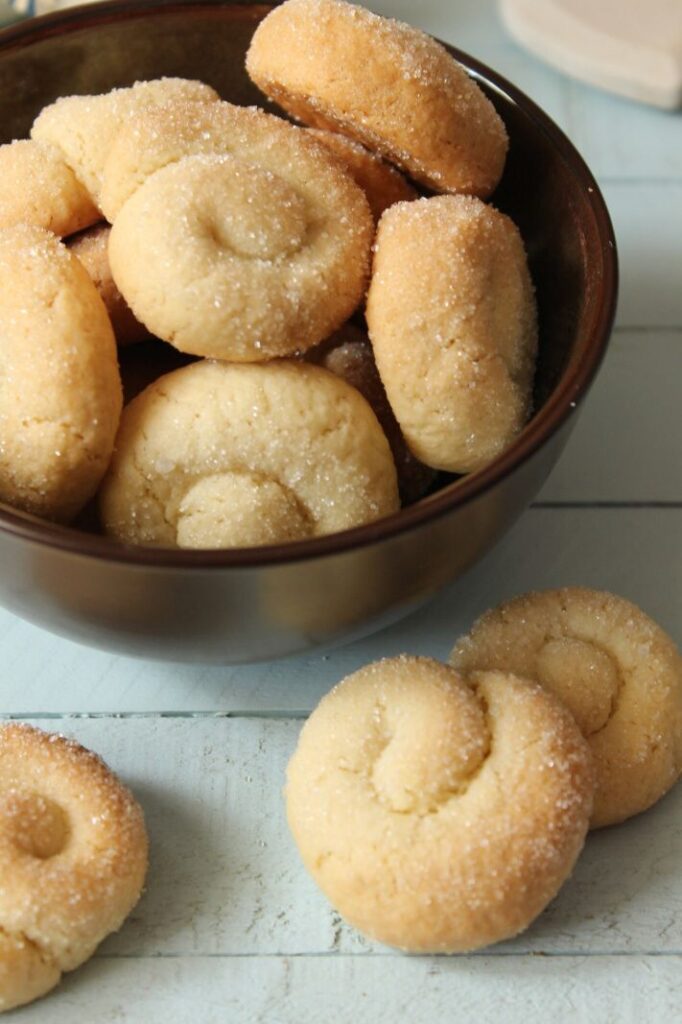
(249, 246)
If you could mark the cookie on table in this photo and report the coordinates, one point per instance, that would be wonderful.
(37, 187)
(452, 319)
(73, 858)
(617, 672)
(439, 814)
(60, 389)
(84, 127)
(91, 248)
(220, 455)
(396, 90)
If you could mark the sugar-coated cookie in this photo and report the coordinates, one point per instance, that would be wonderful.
(383, 184)
(334, 65)
(73, 857)
(241, 261)
(348, 354)
(237, 455)
(84, 127)
(451, 314)
(91, 247)
(37, 187)
(438, 814)
(60, 390)
(618, 673)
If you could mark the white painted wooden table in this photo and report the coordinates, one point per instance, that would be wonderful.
(231, 929)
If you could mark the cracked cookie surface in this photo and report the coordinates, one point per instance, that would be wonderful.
(617, 672)
(438, 814)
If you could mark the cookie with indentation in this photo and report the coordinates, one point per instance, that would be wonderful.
(37, 187)
(617, 672)
(451, 315)
(439, 814)
(84, 127)
(337, 66)
(383, 184)
(92, 249)
(221, 455)
(73, 858)
(240, 261)
(60, 390)
(348, 354)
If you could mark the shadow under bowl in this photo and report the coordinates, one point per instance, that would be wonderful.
(257, 604)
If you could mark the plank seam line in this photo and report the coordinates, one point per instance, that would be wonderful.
(53, 716)
(371, 955)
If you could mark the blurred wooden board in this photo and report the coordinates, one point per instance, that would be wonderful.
(630, 47)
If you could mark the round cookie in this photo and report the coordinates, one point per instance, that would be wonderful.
(393, 88)
(382, 184)
(451, 314)
(437, 814)
(238, 261)
(37, 187)
(73, 857)
(60, 390)
(348, 354)
(91, 248)
(231, 455)
(84, 127)
(617, 672)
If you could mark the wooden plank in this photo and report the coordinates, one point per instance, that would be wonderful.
(314, 990)
(633, 552)
(225, 878)
(627, 446)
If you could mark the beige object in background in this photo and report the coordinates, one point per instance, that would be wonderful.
(220, 455)
(336, 65)
(73, 858)
(451, 315)
(631, 47)
(617, 672)
(60, 390)
(437, 814)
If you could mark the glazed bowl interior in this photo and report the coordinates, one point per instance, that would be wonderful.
(546, 189)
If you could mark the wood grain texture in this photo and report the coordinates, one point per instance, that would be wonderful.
(348, 990)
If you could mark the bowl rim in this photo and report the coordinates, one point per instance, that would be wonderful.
(556, 411)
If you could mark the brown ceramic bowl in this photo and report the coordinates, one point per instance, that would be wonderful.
(255, 604)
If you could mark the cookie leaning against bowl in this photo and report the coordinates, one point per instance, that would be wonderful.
(220, 455)
(38, 187)
(60, 389)
(73, 858)
(84, 127)
(617, 672)
(395, 89)
(437, 814)
(451, 315)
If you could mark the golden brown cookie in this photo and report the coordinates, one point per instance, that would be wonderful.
(382, 184)
(239, 261)
(37, 187)
(348, 354)
(451, 315)
(91, 248)
(617, 672)
(438, 814)
(73, 857)
(84, 127)
(221, 455)
(60, 390)
(337, 66)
